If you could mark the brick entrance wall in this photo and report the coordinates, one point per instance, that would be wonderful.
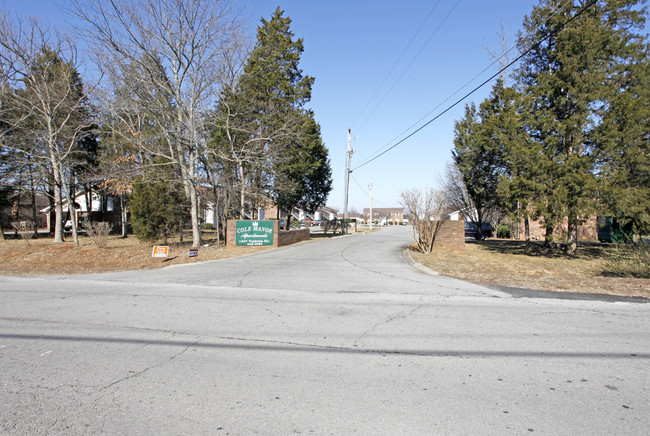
(450, 237)
(288, 237)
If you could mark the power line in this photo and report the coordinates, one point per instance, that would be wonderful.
(439, 105)
(531, 48)
(394, 65)
(366, 192)
(359, 185)
(409, 65)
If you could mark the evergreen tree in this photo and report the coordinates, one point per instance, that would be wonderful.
(264, 129)
(157, 208)
(473, 160)
(523, 179)
(303, 178)
(481, 141)
(569, 79)
(272, 77)
(624, 148)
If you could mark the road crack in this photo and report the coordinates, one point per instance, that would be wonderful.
(158, 365)
(391, 318)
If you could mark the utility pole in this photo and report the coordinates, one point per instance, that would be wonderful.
(348, 156)
(370, 187)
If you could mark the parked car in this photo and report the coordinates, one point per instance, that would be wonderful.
(471, 231)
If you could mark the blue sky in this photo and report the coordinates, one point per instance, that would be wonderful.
(351, 47)
(357, 49)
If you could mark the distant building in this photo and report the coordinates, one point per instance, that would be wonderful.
(21, 211)
(325, 213)
(102, 208)
(461, 215)
(385, 215)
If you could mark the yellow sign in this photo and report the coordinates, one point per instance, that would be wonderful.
(160, 251)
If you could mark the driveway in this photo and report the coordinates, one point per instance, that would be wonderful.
(327, 337)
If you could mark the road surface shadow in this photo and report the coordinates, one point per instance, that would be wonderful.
(530, 293)
(245, 344)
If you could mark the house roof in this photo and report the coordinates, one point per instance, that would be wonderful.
(383, 210)
(80, 200)
(325, 209)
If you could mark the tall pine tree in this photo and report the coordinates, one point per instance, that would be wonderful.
(624, 146)
(265, 133)
(570, 78)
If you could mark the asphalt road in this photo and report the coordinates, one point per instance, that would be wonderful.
(342, 336)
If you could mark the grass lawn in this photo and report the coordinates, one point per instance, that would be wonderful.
(42, 256)
(516, 264)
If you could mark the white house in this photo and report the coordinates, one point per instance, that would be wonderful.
(81, 206)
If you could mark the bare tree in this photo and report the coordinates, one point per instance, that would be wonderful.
(240, 145)
(425, 210)
(502, 53)
(457, 198)
(42, 96)
(169, 54)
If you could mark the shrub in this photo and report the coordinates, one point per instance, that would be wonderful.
(99, 233)
(208, 226)
(25, 229)
(629, 260)
(503, 232)
(157, 208)
(427, 231)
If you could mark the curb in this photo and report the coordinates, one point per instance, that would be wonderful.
(406, 255)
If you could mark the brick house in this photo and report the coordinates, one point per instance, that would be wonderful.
(385, 215)
(587, 231)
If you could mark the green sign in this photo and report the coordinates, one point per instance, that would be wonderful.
(252, 233)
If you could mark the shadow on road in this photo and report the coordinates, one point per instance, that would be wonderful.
(272, 346)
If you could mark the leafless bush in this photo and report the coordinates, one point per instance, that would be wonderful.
(425, 210)
(25, 229)
(99, 233)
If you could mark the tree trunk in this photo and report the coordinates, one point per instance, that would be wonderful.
(572, 246)
(124, 215)
(72, 211)
(215, 211)
(89, 205)
(16, 214)
(51, 214)
(549, 240)
(32, 189)
(527, 228)
(58, 209)
(194, 213)
(242, 203)
(34, 210)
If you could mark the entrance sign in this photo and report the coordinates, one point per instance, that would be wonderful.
(160, 251)
(253, 233)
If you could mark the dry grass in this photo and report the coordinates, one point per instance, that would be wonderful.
(42, 256)
(491, 262)
(516, 264)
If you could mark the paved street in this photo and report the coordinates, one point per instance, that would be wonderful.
(339, 336)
